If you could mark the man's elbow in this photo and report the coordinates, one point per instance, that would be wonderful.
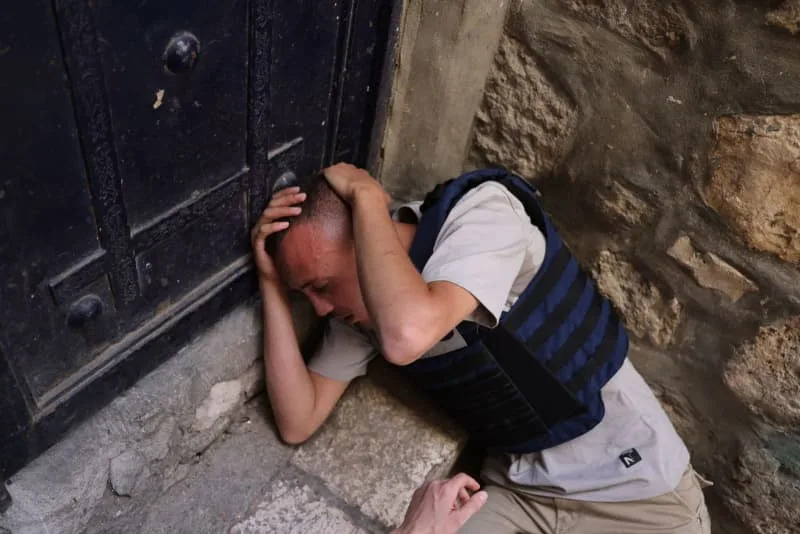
(295, 435)
(404, 346)
(291, 438)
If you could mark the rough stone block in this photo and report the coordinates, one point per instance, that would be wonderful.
(75, 470)
(173, 475)
(754, 183)
(223, 398)
(227, 479)
(786, 16)
(125, 471)
(786, 449)
(292, 507)
(156, 443)
(60, 490)
(618, 203)
(648, 314)
(223, 352)
(765, 373)
(711, 271)
(524, 121)
(253, 379)
(655, 23)
(374, 451)
(193, 442)
(762, 494)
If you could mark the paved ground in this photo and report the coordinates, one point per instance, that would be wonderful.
(348, 479)
(191, 448)
(243, 483)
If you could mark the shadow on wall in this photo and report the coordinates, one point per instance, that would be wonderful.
(665, 138)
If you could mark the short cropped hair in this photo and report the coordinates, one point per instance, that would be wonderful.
(321, 206)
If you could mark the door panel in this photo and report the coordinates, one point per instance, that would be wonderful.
(126, 211)
(171, 268)
(304, 46)
(193, 135)
(47, 220)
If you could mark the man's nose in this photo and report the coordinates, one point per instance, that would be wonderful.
(321, 306)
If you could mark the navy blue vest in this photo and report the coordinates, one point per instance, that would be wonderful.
(533, 381)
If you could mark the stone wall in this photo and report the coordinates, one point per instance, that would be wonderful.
(665, 138)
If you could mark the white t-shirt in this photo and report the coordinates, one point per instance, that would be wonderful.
(489, 246)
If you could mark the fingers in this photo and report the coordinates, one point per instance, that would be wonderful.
(454, 491)
(281, 205)
(286, 197)
(262, 230)
(462, 480)
(469, 508)
(277, 212)
(293, 190)
(463, 496)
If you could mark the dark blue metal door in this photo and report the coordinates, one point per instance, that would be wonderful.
(139, 141)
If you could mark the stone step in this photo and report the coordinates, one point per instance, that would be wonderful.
(380, 444)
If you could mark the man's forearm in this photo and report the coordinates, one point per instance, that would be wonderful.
(394, 292)
(291, 391)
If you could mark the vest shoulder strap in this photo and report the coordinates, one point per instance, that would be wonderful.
(438, 203)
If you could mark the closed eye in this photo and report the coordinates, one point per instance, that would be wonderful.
(320, 287)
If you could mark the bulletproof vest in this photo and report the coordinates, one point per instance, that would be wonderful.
(534, 380)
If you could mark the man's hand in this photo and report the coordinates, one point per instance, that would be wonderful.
(442, 506)
(281, 205)
(348, 181)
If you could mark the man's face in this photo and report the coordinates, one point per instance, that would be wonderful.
(323, 267)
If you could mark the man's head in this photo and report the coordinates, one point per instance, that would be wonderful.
(316, 254)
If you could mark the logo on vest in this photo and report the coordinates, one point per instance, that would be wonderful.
(630, 458)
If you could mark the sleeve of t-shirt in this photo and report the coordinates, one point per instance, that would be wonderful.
(481, 247)
(343, 353)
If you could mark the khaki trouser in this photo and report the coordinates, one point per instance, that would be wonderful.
(681, 511)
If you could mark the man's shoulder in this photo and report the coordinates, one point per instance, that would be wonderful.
(486, 191)
(490, 202)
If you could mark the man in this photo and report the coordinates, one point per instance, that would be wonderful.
(484, 305)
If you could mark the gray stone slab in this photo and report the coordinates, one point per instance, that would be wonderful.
(376, 449)
(58, 491)
(292, 506)
(230, 476)
(125, 471)
(163, 422)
